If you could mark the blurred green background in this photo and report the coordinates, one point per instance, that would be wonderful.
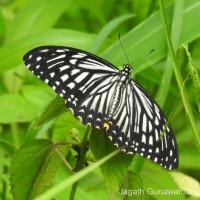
(94, 26)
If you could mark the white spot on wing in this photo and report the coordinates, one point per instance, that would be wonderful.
(79, 55)
(173, 143)
(56, 58)
(64, 67)
(95, 65)
(73, 61)
(157, 150)
(57, 63)
(79, 78)
(165, 137)
(54, 87)
(71, 85)
(156, 133)
(150, 126)
(144, 138)
(171, 153)
(44, 50)
(52, 74)
(39, 58)
(156, 121)
(150, 140)
(64, 77)
(61, 50)
(57, 83)
(143, 149)
(144, 123)
(75, 71)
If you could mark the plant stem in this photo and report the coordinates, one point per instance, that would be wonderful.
(178, 76)
(80, 160)
(63, 159)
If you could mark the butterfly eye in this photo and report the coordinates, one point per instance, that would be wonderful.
(106, 98)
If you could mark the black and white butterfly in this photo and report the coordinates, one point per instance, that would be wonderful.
(107, 98)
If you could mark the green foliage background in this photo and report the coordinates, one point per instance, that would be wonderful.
(29, 109)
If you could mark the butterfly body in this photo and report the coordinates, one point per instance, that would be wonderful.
(107, 98)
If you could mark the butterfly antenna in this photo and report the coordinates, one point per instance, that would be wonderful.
(123, 48)
(144, 56)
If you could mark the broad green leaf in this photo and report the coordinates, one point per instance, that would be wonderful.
(15, 108)
(54, 109)
(159, 183)
(175, 33)
(69, 181)
(33, 169)
(11, 55)
(39, 94)
(35, 17)
(188, 184)
(195, 76)
(132, 188)
(115, 169)
(2, 22)
(106, 30)
(33, 132)
(190, 160)
(149, 35)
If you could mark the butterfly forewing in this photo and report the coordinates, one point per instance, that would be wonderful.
(76, 76)
(97, 93)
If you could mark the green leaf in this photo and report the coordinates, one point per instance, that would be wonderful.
(54, 109)
(106, 30)
(15, 108)
(194, 75)
(190, 160)
(188, 184)
(149, 35)
(159, 183)
(2, 22)
(115, 169)
(176, 29)
(52, 192)
(41, 92)
(132, 187)
(35, 17)
(11, 54)
(33, 169)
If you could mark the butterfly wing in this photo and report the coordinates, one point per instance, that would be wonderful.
(139, 126)
(88, 83)
(84, 80)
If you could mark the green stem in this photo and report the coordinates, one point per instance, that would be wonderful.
(178, 76)
(80, 160)
(4, 184)
(14, 131)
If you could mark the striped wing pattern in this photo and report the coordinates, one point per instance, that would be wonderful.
(140, 126)
(106, 98)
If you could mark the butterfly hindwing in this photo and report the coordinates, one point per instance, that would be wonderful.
(107, 98)
(139, 126)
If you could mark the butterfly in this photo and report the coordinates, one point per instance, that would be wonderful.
(107, 98)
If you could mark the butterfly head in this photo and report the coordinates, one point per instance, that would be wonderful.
(127, 69)
(125, 73)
